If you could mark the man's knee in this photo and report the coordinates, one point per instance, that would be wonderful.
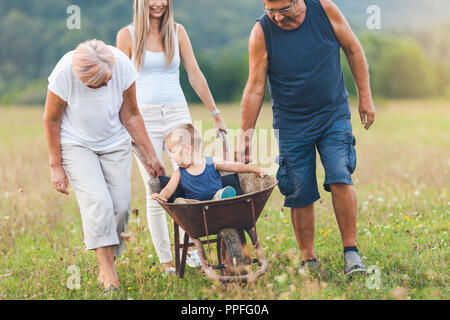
(341, 186)
(307, 211)
(307, 208)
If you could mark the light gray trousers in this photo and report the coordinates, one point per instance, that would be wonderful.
(102, 186)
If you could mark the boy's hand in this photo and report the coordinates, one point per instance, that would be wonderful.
(260, 172)
(157, 196)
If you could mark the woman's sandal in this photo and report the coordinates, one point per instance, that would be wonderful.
(110, 289)
(170, 271)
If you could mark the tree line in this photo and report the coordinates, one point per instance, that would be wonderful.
(399, 68)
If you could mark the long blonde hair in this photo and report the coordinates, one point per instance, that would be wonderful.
(141, 25)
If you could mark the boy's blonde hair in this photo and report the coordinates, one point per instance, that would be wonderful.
(186, 135)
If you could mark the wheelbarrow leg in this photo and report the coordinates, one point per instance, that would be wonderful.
(177, 246)
(252, 232)
(253, 237)
(183, 256)
(180, 264)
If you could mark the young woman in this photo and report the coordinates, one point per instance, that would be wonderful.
(157, 45)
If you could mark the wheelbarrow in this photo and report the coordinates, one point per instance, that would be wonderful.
(223, 222)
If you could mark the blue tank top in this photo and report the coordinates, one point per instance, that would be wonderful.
(305, 75)
(203, 186)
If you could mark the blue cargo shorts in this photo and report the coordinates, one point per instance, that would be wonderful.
(297, 172)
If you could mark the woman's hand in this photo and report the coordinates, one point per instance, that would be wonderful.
(59, 179)
(220, 125)
(155, 168)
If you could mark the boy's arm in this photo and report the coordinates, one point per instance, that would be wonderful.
(229, 166)
(169, 189)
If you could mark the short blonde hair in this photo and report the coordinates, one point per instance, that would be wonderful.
(93, 63)
(186, 135)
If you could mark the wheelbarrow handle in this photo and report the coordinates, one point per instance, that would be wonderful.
(226, 154)
(138, 152)
(135, 149)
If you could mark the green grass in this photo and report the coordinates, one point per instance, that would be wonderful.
(401, 181)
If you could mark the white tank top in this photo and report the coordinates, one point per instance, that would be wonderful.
(157, 83)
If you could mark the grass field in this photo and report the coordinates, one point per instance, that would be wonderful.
(402, 182)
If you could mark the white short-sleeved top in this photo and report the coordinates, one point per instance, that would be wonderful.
(91, 118)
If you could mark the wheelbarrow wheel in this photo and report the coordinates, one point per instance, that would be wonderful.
(230, 253)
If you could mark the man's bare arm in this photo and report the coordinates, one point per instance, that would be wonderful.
(356, 59)
(253, 97)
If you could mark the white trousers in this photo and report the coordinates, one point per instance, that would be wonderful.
(159, 121)
(101, 183)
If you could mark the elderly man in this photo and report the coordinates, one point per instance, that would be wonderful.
(91, 104)
(296, 44)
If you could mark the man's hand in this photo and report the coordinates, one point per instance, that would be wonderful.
(367, 112)
(243, 152)
(59, 179)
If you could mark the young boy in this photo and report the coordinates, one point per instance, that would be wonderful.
(198, 174)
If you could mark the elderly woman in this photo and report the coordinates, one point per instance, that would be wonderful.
(90, 114)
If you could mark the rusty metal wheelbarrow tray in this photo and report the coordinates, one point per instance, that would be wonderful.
(207, 218)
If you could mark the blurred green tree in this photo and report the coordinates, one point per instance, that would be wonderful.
(404, 72)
